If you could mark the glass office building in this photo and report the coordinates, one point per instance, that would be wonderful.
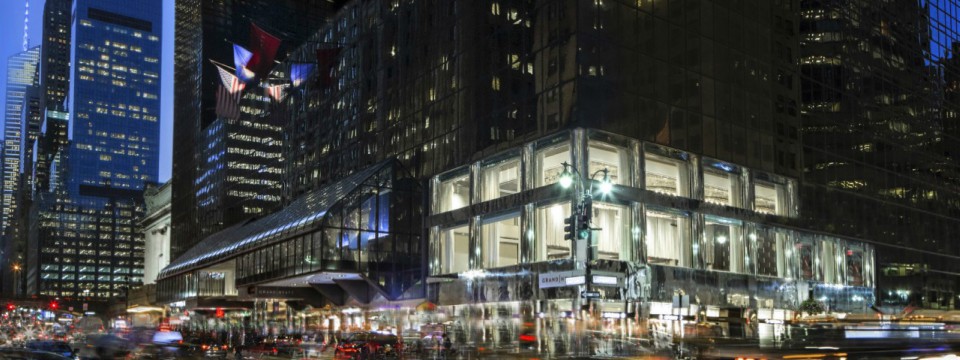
(878, 108)
(226, 170)
(89, 242)
(21, 73)
(701, 113)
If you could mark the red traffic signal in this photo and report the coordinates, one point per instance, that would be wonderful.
(54, 305)
(219, 314)
(11, 307)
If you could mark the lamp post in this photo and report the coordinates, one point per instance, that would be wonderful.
(16, 280)
(579, 224)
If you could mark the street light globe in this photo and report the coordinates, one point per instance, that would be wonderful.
(566, 179)
(606, 186)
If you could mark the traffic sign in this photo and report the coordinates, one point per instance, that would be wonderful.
(590, 294)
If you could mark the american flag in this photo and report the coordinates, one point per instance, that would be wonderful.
(230, 81)
(276, 92)
(228, 104)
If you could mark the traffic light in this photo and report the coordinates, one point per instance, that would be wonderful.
(54, 305)
(570, 227)
(11, 307)
(219, 313)
(585, 218)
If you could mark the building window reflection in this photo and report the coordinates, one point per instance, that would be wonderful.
(722, 247)
(829, 262)
(772, 252)
(499, 178)
(806, 257)
(500, 238)
(549, 232)
(455, 250)
(854, 265)
(454, 191)
(668, 238)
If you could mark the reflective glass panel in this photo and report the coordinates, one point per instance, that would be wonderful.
(454, 192)
(614, 224)
(549, 232)
(501, 240)
(615, 159)
(668, 238)
(499, 179)
(722, 247)
(665, 175)
(550, 163)
(455, 250)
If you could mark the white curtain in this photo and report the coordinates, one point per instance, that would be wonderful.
(500, 179)
(549, 232)
(665, 239)
(613, 221)
(455, 250)
(455, 193)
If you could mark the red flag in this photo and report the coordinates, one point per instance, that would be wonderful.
(326, 64)
(264, 47)
(228, 105)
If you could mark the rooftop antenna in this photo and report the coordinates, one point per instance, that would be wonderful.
(26, 23)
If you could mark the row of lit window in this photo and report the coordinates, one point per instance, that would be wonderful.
(666, 171)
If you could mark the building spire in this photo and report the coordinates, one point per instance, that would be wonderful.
(26, 25)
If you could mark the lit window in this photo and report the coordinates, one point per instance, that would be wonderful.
(454, 191)
(722, 247)
(721, 183)
(667, 238)
(454, 250)
(500, 238)
(500, 178)
(549, 162)
(550, 241)
(666, 175)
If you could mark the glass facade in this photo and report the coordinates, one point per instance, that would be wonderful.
(21, 74)
(366, 224)
(664, 231)
(227, 170)
(879, 110)
(90, 219)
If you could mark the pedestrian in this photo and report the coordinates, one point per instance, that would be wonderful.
(447, 345)
(238, 353)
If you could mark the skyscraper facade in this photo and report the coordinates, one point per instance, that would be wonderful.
(880, 133)
(751, 145)
(226, 168)
(89, 241)
(21, 73)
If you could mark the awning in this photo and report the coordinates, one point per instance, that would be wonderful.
(304, 213)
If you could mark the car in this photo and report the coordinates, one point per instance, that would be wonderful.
(24, 354)
(207, 348)
(53, 346)
(382, 345)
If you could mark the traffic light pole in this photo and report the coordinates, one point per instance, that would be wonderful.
(578, 226)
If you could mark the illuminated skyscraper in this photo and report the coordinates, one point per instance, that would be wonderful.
(226, 169)
(89, 243)
(21, 70)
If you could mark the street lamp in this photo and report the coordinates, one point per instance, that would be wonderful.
(16, 279)
(582, 213)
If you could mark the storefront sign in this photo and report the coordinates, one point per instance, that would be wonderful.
(557, 278)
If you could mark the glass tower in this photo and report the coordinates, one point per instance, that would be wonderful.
(91, 245)
(21, 70)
